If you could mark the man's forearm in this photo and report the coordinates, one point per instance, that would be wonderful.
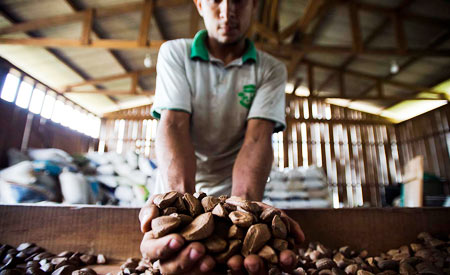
(175, 155)
(251, 169)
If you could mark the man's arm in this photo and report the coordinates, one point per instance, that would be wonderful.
(175, 152)
(254, 161)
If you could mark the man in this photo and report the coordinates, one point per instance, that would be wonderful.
(218, 100)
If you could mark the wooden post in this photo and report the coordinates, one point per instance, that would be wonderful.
(87, 27)
(399, 33)
(145, 22)
(355, 26)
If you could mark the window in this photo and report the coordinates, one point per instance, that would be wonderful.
(37, 99)
(10, 87)
(24, 95)
(58, 112)
(66, 119)
(47, 108)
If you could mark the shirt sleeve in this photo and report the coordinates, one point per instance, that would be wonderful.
(172, 90)
(269, 102)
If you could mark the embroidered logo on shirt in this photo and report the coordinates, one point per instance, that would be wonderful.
(247, 95)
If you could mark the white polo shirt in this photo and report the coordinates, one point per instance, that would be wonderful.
(220, 100)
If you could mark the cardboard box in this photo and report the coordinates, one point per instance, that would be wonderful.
(114, 231)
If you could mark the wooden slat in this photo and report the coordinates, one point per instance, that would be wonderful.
(399, 33)
(355, 27)
(87, 27)
(144, 28)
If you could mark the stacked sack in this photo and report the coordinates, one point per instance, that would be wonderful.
(302, 187)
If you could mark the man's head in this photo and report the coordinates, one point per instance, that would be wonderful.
(227, 21)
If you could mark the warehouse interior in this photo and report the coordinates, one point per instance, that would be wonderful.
(363, 165)
(367, 91)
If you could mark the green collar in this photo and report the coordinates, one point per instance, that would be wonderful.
(199, 49)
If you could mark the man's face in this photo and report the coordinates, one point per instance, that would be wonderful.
(227, 21)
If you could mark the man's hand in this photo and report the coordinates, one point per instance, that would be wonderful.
(255, 265)
(176, 259)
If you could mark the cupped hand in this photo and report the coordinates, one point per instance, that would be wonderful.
(174, 257)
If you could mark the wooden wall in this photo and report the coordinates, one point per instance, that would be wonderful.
(357, 151)
(43, 133)
(427, 135)
(360, 153)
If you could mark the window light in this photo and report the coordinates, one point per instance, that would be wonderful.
(36, 101)
(10, 88)
(58, 112)
(24, 95)
(67, 116)
(47, 108)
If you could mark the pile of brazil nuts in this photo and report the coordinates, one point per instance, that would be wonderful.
(426, 255)
(29, 258)
(227, 226)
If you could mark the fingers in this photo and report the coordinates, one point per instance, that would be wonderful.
(254, 265)
(162, 248)
(296, 230)
(185, 260)
(236, 265)
(147, 214)
(287, 260)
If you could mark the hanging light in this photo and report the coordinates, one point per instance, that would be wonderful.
(148, 61)
(394, 67)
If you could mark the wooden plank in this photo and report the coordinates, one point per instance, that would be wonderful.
(77, 16)
(310, 79)
(100, 80)
(285, 148)
(309, 142)
(87, 26)
(330, 128)
(42, 23)
(399, 33)
(144, 27)
(355, 27)
(111, 92)
(62, 43)
(300, 144)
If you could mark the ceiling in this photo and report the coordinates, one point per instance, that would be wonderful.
(339, 50)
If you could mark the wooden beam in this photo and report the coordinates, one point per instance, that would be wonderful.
(74, 43)
(365, 97)
(80, 15)
(340, 121)
(407, 86)
(380, 90)
(436, 42)
(341, 78)
(112, 77)
(195, 20)
(112, 92)
(377, 31)
(42, 23)
(145, 22)
(12, 19)
(399, 33)
(388, 11)
(87, 27)
(287, 50)
(265, 32)
(134, 83)
(303, 22)
(310, 79)
(355, 27)
(293, 65)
